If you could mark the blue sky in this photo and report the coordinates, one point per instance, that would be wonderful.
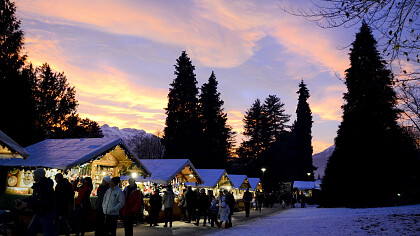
(120, 55)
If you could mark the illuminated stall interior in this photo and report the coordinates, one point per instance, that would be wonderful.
(10, 149)
(214, 179)
(240, 183)
(93, 157)
(176, 172)
(304, 187)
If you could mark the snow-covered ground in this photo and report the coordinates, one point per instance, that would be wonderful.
(402, 220)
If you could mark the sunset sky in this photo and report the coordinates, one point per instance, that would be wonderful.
(120, 55)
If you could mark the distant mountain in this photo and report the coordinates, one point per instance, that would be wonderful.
(320, 160)
(126, 134)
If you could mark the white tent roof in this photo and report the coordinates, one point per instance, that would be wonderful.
(163, 171)
(10, 149)
(254, 182)
(66, 153)
(304, 185)
(240, 181)
(211, 177)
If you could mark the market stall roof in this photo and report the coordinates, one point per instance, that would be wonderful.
(10, 149)
(66, 153)
(240, 181)
(213, 176)
(255, 183)
(163, 171)
(304, 185)
(318, 183)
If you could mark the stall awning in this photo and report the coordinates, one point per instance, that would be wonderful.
(212, 177)
(10, 149)
(304, 185)
(67, 153)
(255, 183)
(240, 181)
(163, 171)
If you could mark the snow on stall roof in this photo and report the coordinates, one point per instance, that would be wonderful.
(164, 170)
(254, 182)
(303, 185)
(238, 180)
(210, 177)
(67, 153)
(13, 146)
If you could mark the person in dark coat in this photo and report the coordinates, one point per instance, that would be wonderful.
(182, 204)
(100, 217)
(191, 200)
(132, 203)
(203, 207)
(155, 207)
(230, 200)
(247, 201)
(260, 200)
(213, 212)
(42, 203)
(64, 196)
(82, 205)
(168, 201)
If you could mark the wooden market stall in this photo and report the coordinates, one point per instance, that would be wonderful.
(255, 184)
(240, 184)
(214, 179)
(176, 172)
(93, 157)
(10, 149)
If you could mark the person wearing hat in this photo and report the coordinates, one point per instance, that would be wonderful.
(100, 217)
(168, 201)
(42, 203)
(112, 204)
(82, 205)
(133, 201)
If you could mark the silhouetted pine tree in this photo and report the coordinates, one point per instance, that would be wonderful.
(16, 119)
(302, 134)
(253, 128)
(373, 160)
(183, 130)
(276, 120)
(217, 135)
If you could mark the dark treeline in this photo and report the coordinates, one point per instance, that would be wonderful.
(196, 126)
(37, 103)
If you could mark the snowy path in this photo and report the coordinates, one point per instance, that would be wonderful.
(403, 220)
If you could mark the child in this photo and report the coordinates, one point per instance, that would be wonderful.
(224, 212)
(214, 209)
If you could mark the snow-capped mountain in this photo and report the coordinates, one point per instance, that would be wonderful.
(320, 160)
(126, 134)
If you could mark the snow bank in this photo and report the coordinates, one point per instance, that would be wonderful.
(403, 220)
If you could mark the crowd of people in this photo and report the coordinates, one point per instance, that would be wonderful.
(53, 207)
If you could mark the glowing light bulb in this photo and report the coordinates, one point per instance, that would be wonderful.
(134, 175)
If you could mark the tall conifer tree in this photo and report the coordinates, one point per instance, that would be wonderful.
(183, 130)
(17, 106)
(253, 128)
(373, 160)
(302, 133)
(217, 135)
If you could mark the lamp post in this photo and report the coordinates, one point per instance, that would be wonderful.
(309, 176)
(263, 170)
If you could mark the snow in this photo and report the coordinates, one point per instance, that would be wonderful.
(66, 153)
(164, 170)
(239, 180)
(210, 177)
(320, 160)
(126, 134)
(401, 220)
(304, 185)
(11, 144)
(254, 182)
